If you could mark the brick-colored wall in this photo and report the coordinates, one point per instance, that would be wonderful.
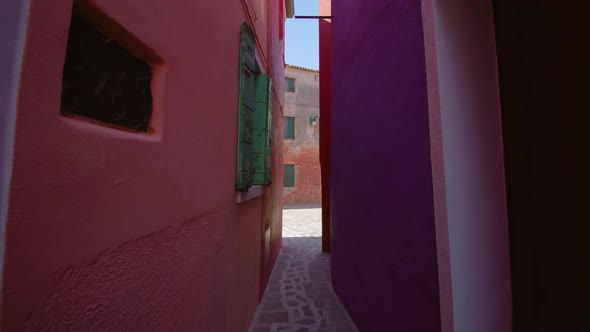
(303, 151)
(308, 187)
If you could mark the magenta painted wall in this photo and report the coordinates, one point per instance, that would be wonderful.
(468, 165)
(110, 230)
(384, 258)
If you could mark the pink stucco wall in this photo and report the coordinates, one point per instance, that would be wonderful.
(109, 230)
(467, 166)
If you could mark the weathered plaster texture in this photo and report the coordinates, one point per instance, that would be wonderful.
(112, 230)
(304, 149)
(144, 282)
(384, 258)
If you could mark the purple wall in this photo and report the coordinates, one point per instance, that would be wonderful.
(383, 251)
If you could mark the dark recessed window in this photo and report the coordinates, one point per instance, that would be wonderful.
(103, 81)
(289, 127)
(289, 84)
(289, 176)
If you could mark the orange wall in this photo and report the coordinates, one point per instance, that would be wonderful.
(110, 230)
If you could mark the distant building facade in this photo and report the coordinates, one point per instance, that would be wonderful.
(302, 180)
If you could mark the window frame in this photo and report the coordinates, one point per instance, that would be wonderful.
(287, 118)
(110, 105)
(288, 86)
(254, 141)
(291, 183)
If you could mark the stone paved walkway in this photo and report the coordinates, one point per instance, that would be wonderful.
(299, 297)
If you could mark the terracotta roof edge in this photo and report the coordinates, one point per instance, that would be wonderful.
(302, 68)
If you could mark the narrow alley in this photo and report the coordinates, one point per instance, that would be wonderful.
(299, 296)
(148, 150)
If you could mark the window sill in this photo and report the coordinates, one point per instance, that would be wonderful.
(253, 192)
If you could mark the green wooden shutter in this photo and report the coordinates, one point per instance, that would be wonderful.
(246, 108)
(262, 134)
(289, 127)
(289, 84)
(289, 175)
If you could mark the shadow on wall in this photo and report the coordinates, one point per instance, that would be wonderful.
(295, 207)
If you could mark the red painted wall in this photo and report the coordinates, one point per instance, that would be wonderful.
(325, 26)
(13, 32)
(272, 213)
(110, 230)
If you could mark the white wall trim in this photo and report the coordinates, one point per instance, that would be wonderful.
(253, 192)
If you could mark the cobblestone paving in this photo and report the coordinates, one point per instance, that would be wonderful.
(299, 297)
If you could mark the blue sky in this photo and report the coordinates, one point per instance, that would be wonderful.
(302, 41)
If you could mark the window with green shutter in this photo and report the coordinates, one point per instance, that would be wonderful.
(289, 84)
(255, 117)
(261, 146)
(289, 127)
(289, 178)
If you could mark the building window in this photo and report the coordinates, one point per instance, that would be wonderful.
(289, 84)
(104, 81)
(289, 178)
(254, 117)
(289, 127)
